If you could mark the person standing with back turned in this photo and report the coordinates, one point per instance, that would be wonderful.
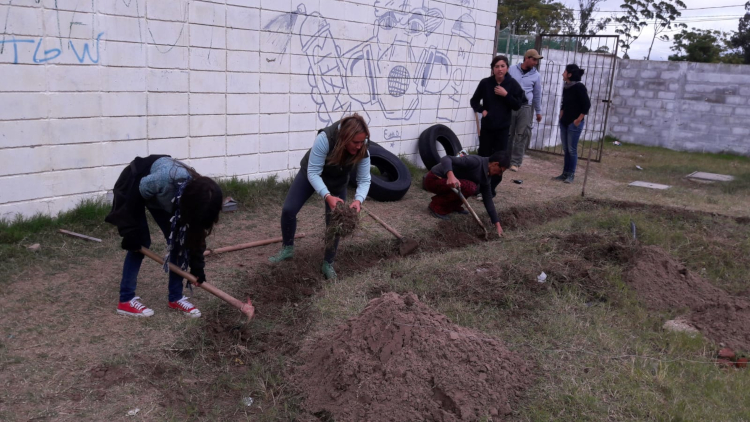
(521, 121)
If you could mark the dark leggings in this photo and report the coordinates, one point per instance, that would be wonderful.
(300, 191)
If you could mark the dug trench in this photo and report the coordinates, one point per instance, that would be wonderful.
(283, 294)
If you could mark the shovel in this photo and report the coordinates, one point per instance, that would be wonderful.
(407, 245)
(471, 210)
(245, 308)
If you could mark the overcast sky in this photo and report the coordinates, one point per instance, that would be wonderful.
(721, 18)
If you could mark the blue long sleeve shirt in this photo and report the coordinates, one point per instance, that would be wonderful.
(531, 82)
(317, 161)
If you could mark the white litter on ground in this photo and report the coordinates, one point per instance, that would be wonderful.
(649, 185)
(712, 177)
(133, 412)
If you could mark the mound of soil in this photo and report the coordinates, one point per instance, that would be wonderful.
(400, 360)
(663, 283)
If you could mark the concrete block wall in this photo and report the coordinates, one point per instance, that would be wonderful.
(684, 106)
(232, 87)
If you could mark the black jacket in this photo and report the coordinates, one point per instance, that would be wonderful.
(575, 101)
(128, 204)
(472, 168)
(498, 108)
(334, 176)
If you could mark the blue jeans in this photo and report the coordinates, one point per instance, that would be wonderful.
(300, 191)
(133, 260)
(570, 135)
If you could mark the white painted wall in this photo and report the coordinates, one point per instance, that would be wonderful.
(233, 87)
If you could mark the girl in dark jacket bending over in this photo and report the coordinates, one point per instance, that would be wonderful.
(575, 106)
(325, 169)
(185, 206)
(499, 95)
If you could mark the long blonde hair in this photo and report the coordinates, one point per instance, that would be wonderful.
(350, 127)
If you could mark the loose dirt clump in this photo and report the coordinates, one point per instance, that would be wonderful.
(400, 360)
(343, 222)
(662, 283)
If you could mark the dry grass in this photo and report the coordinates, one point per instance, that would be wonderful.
(600, 355)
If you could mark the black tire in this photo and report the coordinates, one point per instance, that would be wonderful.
(429, 139)
(394, 179)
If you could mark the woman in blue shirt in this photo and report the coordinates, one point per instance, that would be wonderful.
(325, 169)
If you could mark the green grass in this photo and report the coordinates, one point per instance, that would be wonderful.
(661, 165)
(87, 213)
(253, 194)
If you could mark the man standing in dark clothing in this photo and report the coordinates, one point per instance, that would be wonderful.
(471, 174)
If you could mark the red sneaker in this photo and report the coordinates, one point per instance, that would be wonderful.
(134, 308)
(185, 306)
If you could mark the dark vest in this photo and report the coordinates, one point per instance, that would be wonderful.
(334, 176)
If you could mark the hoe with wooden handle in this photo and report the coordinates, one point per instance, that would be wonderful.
(245, 308)
(407, 245)
(471, 210)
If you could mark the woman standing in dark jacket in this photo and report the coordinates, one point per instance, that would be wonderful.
(575, 106)
(500, 95)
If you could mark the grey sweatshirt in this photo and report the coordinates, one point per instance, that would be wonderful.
(531, 82)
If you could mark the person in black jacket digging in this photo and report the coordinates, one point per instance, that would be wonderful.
(185, 206)
(575, 106)
(496, 97)
(470, 174)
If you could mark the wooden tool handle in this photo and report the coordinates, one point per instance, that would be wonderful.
(471, 210)
(246, 308)
(248, 245)
(385, 225)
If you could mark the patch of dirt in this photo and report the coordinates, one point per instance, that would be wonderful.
(105, 376)
(400, 360)
(663, 283)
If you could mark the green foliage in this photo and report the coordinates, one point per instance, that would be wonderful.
(741, 39)
(535, 16)
(702, 46)
(661, 15)
(252, 194)
(586, 22)
(89, 212)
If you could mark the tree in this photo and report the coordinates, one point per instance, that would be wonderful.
(663, 15)
(535, 16)
(631, 23)
(587, 25)
(701, 45)
(741, 39)
(641, 13)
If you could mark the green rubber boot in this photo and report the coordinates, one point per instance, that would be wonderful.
(286, 252)
(328, 271)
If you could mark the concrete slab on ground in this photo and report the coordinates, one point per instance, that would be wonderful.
(649, 185)
(713, 177)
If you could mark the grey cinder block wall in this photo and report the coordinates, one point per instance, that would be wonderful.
(700, 107)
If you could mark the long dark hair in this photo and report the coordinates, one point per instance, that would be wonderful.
(200, 206)
(574, 72)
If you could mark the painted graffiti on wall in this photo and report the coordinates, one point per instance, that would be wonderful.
(391, 72)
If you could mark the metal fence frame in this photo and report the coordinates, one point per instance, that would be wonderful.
(550, 127)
